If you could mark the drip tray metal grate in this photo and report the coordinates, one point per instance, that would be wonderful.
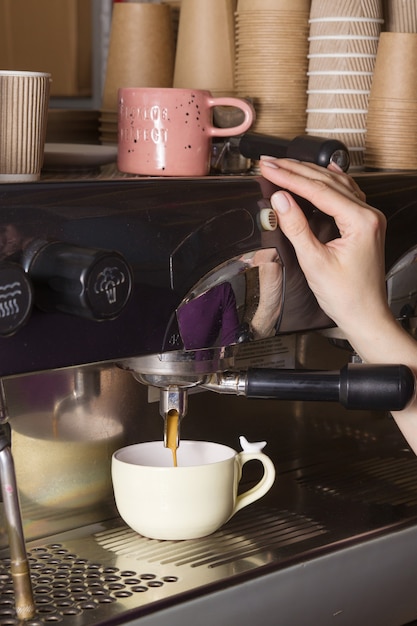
(109, 571)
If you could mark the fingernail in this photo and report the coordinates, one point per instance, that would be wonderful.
(335, 166)
(269, 161)
(280, 202)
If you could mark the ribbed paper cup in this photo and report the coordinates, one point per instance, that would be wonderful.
(336, 118)
(401, 16)
(349, 136)
(353, 81)
(273, 31)
(353, 8)
(357, 157)
(273, 5)
(342, 99)
(396, 146)
(342, 62)
(333, 44)
(356, 26)
(24, 98)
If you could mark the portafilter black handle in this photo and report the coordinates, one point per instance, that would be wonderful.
(319, 150)
(355, 386)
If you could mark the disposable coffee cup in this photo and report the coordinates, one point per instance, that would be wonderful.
(401, 16)
(205, 51)
(395, 74)
(24, 100)
(141, 49)
(191, 500)
(352, 8)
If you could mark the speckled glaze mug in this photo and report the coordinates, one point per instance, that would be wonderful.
(168, 132)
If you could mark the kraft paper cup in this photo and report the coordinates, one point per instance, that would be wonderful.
(205, 53)
(353, 82)
(401, 16)
(337, 100)
(346, 25)
(141, 49)
(24, 100)
(271, 63)
(336, 118)
(292, 6)
(353, 8)
(334, 44)
(395, 73)
(342, 62)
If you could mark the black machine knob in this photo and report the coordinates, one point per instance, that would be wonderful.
(16, 298)
(91, 283)
(310, 148)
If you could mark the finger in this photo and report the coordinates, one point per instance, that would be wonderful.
(304, 181)
(294, 225)
(349, 182)
(332, 176)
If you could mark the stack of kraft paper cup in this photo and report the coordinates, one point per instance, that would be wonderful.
(141, 54)
(343, 43)
(271, 63)
(391, 140)
(205, 50)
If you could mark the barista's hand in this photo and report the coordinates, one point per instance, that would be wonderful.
(347, 274)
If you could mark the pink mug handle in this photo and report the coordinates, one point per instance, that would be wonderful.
(244, 105)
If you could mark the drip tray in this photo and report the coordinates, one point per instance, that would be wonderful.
(112, 570)
(337, 518)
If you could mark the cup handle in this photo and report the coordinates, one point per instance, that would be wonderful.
(239, 103)
(262, 487)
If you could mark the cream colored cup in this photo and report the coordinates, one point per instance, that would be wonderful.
(168, 132)
(191, 500)
(24, 99)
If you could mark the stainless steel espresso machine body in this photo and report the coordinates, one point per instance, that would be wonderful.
(105, 278)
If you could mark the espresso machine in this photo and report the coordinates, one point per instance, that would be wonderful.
(123, 299)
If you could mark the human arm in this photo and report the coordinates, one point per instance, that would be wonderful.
(346, 274)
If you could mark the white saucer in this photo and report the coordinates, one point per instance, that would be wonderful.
(76, 156)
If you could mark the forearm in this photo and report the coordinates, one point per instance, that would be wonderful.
(385, 341)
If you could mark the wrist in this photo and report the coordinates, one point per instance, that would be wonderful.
(383, 340)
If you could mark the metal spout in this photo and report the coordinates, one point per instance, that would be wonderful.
(227, 382)
(173, 398)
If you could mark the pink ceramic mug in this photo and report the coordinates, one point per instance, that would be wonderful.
(168, 132)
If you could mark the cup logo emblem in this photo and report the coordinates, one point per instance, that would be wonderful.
(108, 281)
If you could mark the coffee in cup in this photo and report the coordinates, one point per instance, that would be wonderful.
(168, 132)
(192, 500)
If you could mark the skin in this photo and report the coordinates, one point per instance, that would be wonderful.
(346, 274)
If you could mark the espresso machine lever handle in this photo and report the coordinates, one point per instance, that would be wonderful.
(355, 386)
(318, 150)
